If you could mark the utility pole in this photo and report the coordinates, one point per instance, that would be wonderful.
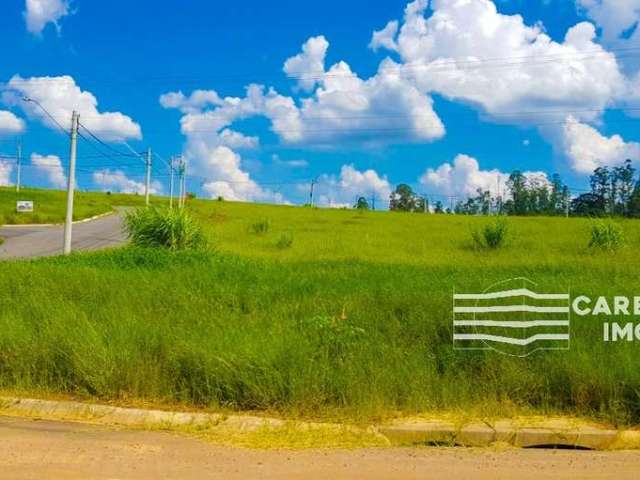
(171, 167)
(19, 164)
(499, 202)
(184, 182)
(313, 184)
(147, 183)
(71, 185)
(373, 201)
(181, 179)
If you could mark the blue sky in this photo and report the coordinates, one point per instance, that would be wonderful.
(500, 93)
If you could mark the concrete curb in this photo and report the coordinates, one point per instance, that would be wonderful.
(523, 433)
(85, 220)
(132, 417)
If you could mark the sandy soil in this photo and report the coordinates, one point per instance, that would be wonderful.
(53, 450)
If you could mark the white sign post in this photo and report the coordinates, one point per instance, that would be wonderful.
(24, 206)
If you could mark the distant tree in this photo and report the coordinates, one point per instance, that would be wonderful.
(403, 199)
(438, 208)
(517, 184)
(633, 209)
(362, 204)
(588, 205)
(421, 205)
(623, 180)
(601, 182)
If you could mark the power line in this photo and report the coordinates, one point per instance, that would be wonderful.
(456, 62)
(412, 117)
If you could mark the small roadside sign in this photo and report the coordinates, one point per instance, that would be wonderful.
(23, 206)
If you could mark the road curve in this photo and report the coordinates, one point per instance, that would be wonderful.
(46, 241)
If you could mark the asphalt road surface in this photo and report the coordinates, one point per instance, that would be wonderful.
(43, 241)
(72, 451)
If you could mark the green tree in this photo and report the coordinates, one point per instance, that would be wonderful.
(362, 204)
(601, 188)
(623, 187)
(421, 205)
(517, 184)
(634, 202)
(403, 199)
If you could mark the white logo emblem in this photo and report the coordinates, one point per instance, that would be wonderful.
(510, 318)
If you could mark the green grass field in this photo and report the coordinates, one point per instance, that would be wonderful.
(50, 205)
(349, 317)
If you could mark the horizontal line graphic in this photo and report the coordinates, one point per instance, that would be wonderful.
(511, 308)
(511, 324)
(520, 292)
(509, 340)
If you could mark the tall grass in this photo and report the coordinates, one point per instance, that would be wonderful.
(354, 321)
(606, 235)
(492, 235)
(174, 229)
(261, 227)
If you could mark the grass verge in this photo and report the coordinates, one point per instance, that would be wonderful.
(352, 320)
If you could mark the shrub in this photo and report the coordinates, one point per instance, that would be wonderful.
(606, 235)
(261, 227)
(285, 241)
(174, 229)
(493, 235)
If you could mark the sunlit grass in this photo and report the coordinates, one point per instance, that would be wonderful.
(50, 205)
(353, 318)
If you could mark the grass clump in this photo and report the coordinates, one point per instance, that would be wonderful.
(606, 235)
(285, 241)
(173, 229)
(261, 227)
(492, 235)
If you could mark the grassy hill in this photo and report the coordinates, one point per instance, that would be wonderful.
(50, 205)
(316, 313)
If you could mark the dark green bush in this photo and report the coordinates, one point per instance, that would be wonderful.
(261, 227)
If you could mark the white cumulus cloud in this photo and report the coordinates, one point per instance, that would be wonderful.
(211, 144)
(50, 167)
(194, 103)
(464, 177)
(615, 17)
(118, 181)
(381, 109)
(39, 13)
(343, 190)
(6, 167)
(60, 96)
(308, 66)
(587, 149)
(468, 51)
(10, 124)
(385, 38)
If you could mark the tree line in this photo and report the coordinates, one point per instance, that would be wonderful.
(615, 191)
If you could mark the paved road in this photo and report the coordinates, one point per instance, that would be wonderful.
(72, 451)
(43, 241)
